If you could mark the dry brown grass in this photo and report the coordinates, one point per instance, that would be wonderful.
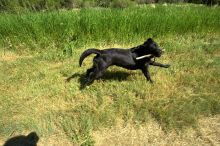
(11, 56)
(207, 133)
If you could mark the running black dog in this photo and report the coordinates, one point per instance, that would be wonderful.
(127, 58)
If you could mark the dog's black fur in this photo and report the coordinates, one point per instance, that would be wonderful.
(125, 58)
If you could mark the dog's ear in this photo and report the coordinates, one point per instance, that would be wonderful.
(149, 41)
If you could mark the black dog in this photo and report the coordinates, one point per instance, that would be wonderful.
(126, 58)
(29, 140)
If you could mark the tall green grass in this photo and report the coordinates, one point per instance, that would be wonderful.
(37, 31)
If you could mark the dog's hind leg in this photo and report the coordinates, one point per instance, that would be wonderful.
(102, 66)
(91, 76)
(90, 71)
(97, 70)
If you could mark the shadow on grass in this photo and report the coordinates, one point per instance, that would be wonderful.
(117, 75)
(22, 140)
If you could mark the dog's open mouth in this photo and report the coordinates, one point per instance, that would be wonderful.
(159, 52)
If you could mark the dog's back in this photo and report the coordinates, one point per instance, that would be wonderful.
(119, 57)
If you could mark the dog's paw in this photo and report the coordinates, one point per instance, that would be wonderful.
(167, 65)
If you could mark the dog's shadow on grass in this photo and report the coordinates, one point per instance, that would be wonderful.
(22, 140)
(108, 76)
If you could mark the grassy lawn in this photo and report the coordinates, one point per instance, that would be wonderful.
(40, 50)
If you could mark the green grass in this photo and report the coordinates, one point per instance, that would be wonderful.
(77, 28)
(40, 50)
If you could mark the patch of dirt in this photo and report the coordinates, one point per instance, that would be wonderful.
(207, 133)
(9, 56)
(54, 141)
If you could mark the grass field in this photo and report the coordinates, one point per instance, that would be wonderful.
(40, 50)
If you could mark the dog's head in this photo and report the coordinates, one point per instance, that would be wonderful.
(152, 48)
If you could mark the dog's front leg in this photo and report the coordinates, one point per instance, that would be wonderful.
(146, 73)
(159, 64)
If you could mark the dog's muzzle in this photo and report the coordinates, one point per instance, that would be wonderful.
(160, 52)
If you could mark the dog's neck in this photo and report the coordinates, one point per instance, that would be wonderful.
(135, 49)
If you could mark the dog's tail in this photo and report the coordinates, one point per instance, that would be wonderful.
(87, 53)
